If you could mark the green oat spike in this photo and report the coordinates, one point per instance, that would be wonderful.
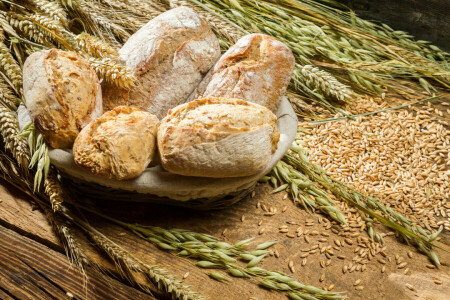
(246, 256)
(255, 261)
(280, 188)
(218, 276)
(244, 243)
(207, 264)
(265, 245)
(259, 252)
(237, 273)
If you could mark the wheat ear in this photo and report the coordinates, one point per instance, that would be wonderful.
(113, 72)
(10, 67)
(95, 46)
(9, 128)
(317, 79)
(7, 97)
(52, 9)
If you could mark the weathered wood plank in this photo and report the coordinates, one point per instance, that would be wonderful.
(16, 211)
(216, 222)
(426, 20)
(30, 270)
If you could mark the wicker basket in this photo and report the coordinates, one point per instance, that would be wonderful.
(156, 185)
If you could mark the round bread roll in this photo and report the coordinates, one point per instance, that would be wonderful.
(62, 94)
(217, 137)
(258, 68)
(120, 144)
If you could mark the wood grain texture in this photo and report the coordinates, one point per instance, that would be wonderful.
(426, 20)
(30, 270)
(215, 222)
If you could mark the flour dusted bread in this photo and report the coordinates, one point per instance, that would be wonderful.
(257, 68)
(62, 94)
(120, 144)
(217, 137)
(169, 57)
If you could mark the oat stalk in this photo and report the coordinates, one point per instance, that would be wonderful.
(368, 205)
(210, 253)
(39, 153)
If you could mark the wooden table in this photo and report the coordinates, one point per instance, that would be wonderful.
(33, 264)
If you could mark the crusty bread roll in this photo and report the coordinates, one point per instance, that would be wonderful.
(120, 144)
(257, 68)
(62, 94)
(217, 137)
(169, 57)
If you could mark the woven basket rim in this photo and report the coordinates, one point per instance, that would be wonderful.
(156, 181)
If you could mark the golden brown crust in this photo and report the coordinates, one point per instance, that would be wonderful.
(167, 69)
(257, 68)
(62, 94)
(120, 144)
(217, 137)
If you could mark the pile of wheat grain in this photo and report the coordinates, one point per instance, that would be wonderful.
(401, 157)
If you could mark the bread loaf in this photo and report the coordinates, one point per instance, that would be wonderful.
(169, 57)
(257, 68)
(120, 144)
(62, 94)
(217, 137)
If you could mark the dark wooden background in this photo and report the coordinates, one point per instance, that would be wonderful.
(425, 19)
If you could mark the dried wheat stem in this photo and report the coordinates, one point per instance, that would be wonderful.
(95, 46)
(223, 29)
(50, 24)
(73, 249)
(10, 67)
(92, 11)
(147, 9)
(326, 83)
(113, 72)
(28, 28)
(7, 97)
(54, 191)
(9, 129)
(127, 263)
(52, 9)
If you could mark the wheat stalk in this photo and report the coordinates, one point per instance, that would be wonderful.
(113, 72)
(9, 129)
(10, 67)
(225, 31)
(29, 29)
(326, 83)
(67, 236)
(92, 11)
(7, 97)
(50, 8)
(95, 46)
(53, 189)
